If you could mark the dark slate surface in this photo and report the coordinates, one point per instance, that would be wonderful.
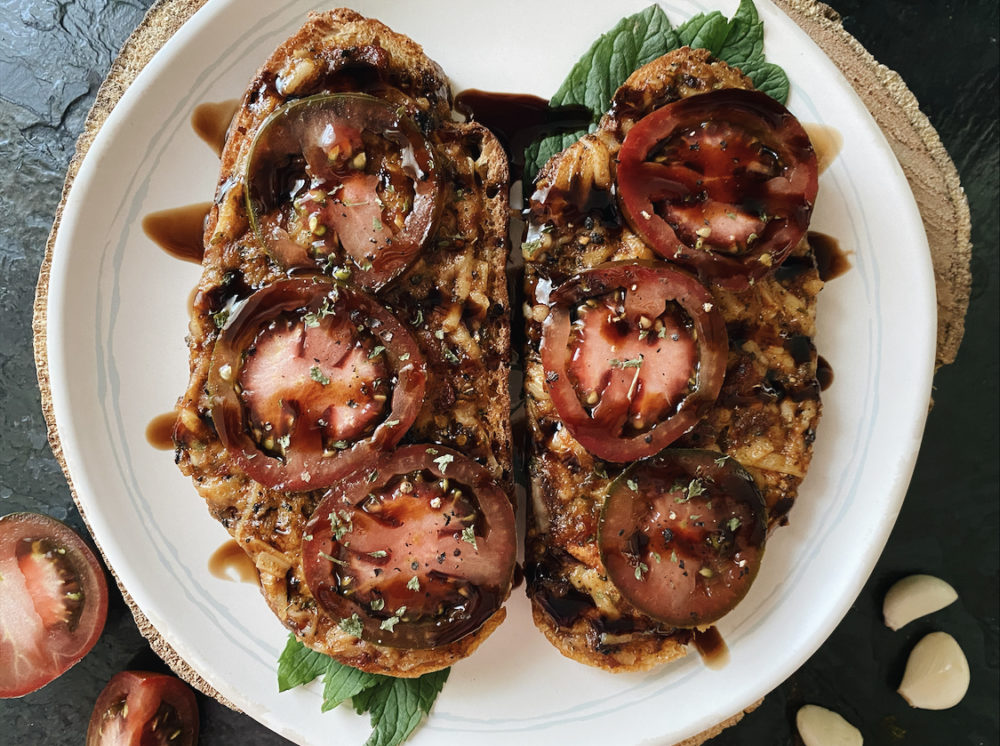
(53, 56)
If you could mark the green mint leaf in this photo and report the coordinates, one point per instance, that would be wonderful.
(772, 80)
(398, 706)
(343, 682)
(744, 44)
(633, 42)
(744, 48)
(643, 37)
(362, 701)
(704, 31)
(297, 665)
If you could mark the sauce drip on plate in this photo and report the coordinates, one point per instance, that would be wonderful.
(210, 121)
(179, 231)
(230, 562)
(159, 431)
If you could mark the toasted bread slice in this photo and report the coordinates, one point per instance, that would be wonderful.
(765, 416)
(452, 297)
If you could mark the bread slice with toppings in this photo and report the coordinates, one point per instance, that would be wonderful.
(763, 411)
(353, 310)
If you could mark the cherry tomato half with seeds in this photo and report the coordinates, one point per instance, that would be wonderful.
(418, 555)
(343, 182)
(53, 601)
(682, 535)
(138, 708)
(311, 380)
(723, 183)
(634, 353)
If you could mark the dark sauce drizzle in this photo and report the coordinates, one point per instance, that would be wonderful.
(518, 119)
(712, 648)
(831, 260)
(229, 560)
(824, 373)
(210, 121)
(160, 431)
(179, 231)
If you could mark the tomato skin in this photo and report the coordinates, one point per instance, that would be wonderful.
(396, 539)
(139, 708)
(653, 285)
(682, 535)
(316, 197)
(304, 465)
(680, 190)
(37, 642)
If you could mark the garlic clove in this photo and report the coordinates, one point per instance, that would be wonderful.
(937, 673)
(913, 597)
(819, 726)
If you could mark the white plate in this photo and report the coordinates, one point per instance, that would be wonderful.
(116, 326)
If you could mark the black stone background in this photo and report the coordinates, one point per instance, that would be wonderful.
(53, 57)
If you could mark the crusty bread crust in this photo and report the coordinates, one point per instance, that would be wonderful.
(574, 603)
(453, 297)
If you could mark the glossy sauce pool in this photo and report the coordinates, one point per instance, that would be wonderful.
(230, 562)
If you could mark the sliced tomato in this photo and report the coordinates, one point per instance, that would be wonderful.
(138, 708)
(682, 535)
(417, 555)
(344, 182)
(634, 353)
(723, 182)
(311, 380)
(53, 601)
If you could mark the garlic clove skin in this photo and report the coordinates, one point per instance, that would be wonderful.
(937, 673)
(913, 597)
(819, 726)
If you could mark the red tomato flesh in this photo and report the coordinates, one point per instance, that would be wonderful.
(53, 601)
(311, 380)
(138, 708)
(627, 373)
(682, 534)
(344, 182)
(634, 354)
(417, 555)
(314, 380)
(723, 183)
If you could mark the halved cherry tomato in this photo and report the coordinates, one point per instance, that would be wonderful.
(344, 182)
(417, 556)
(310, 380)
(634, 353)
(53, 601)
(682, 535)
(138, 708)
(723, 183)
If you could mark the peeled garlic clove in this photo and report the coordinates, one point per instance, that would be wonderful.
(913, 597)
(937, 673)
(821, 727)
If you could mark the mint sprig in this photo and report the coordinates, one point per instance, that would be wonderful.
(641, 38)
(298, 665)
(396, 705)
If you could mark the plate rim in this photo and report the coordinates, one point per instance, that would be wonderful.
(43, 338)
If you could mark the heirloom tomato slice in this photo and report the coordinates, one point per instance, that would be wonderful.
(420, 554)
(634, 353)
(310, 380)
(682, 535)
(53, 601)
(345, 182)
(723, 183)
(138, 708)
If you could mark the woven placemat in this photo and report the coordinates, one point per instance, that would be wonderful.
(930, 171)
